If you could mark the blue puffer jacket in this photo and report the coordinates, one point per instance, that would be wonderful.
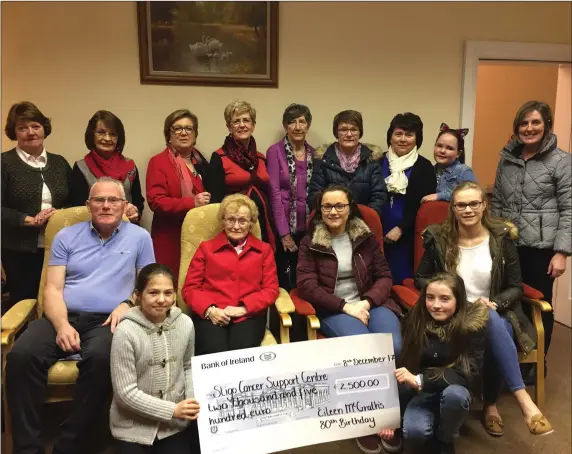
(536, 195)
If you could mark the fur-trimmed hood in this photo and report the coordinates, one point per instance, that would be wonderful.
(356, 228)
(376, 151)
(476, 317)
(498, 230)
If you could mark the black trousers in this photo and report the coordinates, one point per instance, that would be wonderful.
(23, 274)
(210, 338)
(27, 366)
(534, 265)
(286, 267)
(186, 442)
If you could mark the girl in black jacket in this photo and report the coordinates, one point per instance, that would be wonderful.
(444, 339)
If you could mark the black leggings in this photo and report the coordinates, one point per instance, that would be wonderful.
(235, 336)
(185, 442)
(534, 265)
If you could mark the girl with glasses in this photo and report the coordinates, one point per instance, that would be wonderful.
(481, 250)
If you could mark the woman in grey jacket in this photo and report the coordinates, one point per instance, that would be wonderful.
(151, 371)
(533, 190)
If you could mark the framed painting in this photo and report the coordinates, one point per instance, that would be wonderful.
(208, 43)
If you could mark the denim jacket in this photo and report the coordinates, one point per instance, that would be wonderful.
(451, 177)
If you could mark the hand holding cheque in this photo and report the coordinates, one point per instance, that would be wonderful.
(320, 391)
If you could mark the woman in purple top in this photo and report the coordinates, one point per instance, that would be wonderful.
(289, 165)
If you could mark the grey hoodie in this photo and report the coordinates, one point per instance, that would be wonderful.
(536, 195)
(150, 373)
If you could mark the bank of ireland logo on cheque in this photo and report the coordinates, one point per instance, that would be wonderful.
(267, 356)
(214, 429)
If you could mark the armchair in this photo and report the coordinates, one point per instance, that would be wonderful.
(201, 224)
(63, 374)
(304, 308)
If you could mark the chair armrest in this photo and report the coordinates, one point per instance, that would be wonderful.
(18, 315)
(410, 284)
(302, 306)
(542, 305)
(531, 293)
(405, 295)
(284, 304)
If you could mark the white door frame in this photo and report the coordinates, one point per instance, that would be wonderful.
(498, 50)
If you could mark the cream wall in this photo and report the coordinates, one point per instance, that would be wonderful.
(73, 58)
(501, 89)
(563, 108)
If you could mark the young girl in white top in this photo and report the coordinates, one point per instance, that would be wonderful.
(151, 353)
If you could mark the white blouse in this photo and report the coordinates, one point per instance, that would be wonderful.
(475, 266)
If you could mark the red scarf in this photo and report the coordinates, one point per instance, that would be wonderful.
(189, 184)
(116, 167)
(245, 158)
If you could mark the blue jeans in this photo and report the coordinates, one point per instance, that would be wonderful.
(430, 414)
(381, 320)
(501, 358)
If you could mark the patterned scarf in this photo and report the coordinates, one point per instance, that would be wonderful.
(291, 159)
(245, 158)
(116, 167)
(351, 162)
(184, 173)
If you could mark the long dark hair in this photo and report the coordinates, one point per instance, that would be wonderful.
(418, 320)
(354, 209)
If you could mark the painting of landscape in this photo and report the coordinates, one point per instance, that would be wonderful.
(209, 43)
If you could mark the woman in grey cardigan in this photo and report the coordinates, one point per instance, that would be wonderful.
(151, 355)
(533, 190)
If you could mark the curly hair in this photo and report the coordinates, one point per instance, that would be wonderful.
(234, 202)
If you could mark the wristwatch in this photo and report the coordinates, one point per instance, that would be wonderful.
(128, 302)
(419, 382)
(208, 312)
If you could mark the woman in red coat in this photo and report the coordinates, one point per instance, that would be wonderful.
(238, 166)
(231, 282)
(176, 181)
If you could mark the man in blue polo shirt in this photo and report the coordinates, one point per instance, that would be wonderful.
(91, 276)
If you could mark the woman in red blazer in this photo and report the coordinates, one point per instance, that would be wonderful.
(176, 182)
(238, 166)
(231, 282)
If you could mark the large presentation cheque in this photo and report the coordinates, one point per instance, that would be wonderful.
(267, 399)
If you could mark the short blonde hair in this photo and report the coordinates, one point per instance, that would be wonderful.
(238, 108)
(234, 202)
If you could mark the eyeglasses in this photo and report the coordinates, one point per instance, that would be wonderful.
(236, 123)
(179, 130)
(113, 201)
(345, 131)
(461, 206)
(102, 133)
(242, 222)
(339, 207)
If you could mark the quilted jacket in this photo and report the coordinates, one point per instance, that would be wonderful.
(367, 183)
(536, 195)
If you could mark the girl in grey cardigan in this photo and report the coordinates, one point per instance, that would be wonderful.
(151, 355)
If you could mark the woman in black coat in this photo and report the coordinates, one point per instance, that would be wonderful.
(350, 163)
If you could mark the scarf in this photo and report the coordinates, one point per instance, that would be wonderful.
(245, 158)
(116, 167)
(184, 173)
(351, 162)
(397, 181)
(290, 158)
